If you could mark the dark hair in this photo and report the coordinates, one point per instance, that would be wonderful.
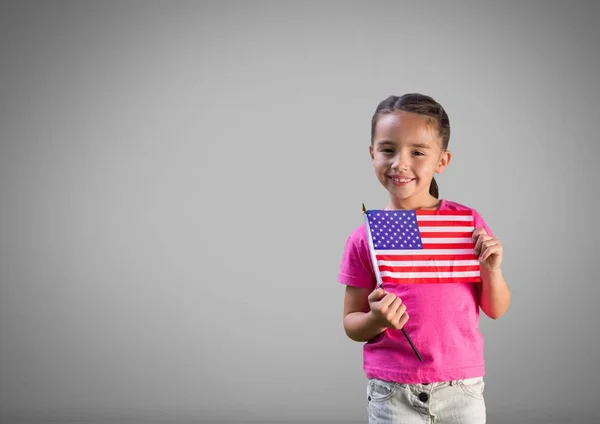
(422, 105)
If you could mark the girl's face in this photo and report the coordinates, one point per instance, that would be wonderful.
(406, 153)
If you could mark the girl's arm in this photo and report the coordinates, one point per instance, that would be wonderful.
(495, 295)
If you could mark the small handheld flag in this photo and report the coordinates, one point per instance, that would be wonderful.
(423, 246)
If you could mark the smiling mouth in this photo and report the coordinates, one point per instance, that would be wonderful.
(400, 181)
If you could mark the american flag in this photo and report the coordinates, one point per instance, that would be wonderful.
(423, 246)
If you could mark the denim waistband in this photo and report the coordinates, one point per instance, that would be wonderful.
(471, 380)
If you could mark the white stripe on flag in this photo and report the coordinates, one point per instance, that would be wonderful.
(429, 274)
(425, 252)
(446, 240)
(446, 229)
(440, 263)
(444, 218)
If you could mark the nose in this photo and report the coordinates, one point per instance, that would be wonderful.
(400, 162)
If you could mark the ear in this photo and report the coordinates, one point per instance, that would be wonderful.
(445, 158)
(371, 152)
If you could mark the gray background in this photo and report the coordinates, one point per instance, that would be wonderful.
(177, 181)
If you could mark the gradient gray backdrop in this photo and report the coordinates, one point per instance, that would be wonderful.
(177, 181)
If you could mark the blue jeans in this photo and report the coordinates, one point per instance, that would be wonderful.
(449, 402)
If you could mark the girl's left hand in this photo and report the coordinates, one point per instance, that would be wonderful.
(488, 248)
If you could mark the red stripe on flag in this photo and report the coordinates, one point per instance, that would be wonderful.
(462, 257)
(433, 268)
(446, 235)
(431, 280)
(448, 245)
(434, 212)
(445, 223)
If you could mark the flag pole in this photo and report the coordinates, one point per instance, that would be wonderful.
(378, 276)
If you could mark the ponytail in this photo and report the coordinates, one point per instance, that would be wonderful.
(433, 189)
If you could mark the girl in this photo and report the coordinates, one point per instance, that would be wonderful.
(409, 141)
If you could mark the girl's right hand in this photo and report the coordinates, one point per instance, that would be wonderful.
(388, 309)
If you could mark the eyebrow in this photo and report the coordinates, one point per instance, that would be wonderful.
(418, 145)
(421, 145)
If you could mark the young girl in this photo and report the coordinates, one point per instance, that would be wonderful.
(409, 141)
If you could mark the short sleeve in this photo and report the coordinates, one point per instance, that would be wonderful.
(356, 268)
(480, 223)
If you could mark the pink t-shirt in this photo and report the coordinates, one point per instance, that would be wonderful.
(443, 324)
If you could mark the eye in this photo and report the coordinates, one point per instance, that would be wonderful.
(417, 153)
(387, 151)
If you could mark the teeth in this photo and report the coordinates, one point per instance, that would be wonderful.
(403, 180)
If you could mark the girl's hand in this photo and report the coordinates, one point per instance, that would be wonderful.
(488, 248)
(388, 309)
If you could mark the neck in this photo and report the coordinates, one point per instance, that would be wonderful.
(429, 202)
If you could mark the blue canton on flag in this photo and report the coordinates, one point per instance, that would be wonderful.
(395, 230)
